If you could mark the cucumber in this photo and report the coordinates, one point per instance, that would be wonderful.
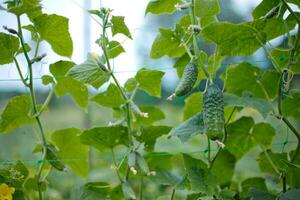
(213, 112)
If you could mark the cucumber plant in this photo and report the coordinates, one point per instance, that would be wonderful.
(243, 107)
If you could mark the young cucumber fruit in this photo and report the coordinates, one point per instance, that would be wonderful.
(187, 81)
(213, 112)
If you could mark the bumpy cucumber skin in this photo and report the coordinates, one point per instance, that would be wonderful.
(213, 112)
(187, 80)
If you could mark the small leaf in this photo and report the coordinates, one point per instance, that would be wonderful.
(119, 26)
(54, 29)
(89, 72)
(16, 114)
(193, 105)
(154, 114)
(71, 150)
(105, 137)
(9, 45)
(291, 105)
(130, 84)
(199, 175)
(150, 81)
(111, 98)
(161, 6)
(150, 134)
(59, 69)
(189, 128)
(93, 190)
(14, 174)
(114, 49)
(46, 79)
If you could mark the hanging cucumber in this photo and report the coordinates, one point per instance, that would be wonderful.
(187, 81)
(213, 112)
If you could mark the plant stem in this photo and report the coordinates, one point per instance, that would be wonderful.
(34, 106)
(270, 160)
(209, 154)
(141, 187)
(173, 193)
(20, 72)
(116, 165)
(283, 182)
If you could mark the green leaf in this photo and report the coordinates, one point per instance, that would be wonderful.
(150, 81)
(117, 193)
(164, 177)
(16, 114)
(253, 183)
(9, 45)
(260, 195)
(205, 8)
(76, 88)
(262, 106)
(111, 98)
(245, 78)
(149, 135)
(243, 135)
(46, 79)
(119, 26)
(241, 39)
(24, 6)
(59, 69)
(264, 7)
(161, 6)
(71, 150)
(105, 137)
(89, 72)
(34, 34)
(292, 194)
(189, 128)
(93, 190)
(293, 177)
(154, 160)
(277, 159)
(114, 49)
(193, 105)
(291, 105)
(54, 29)
(166, 44)
(223, 167)
(200, 177)
(281, 58)
(131, 84)
(154, 114)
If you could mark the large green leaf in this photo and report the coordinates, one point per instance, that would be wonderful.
(111, 98)
(245, 78)
(253, 183)
(260, 195)
(89, 72)
(154, 114)
(293, 177)
(119, 26)
(60, 68)
(262, 106)
(16, 114)
(54, 29)
(264, 7)
(205, 8)
(223, 167)
(74, 154)
(193, 105)
(277, 159)
(291, 105)
(24, 6)
(243, 135)
(292, 194)
(200, 177)
(150, 81)
(9, 45)
(105, 137)
(241, 39)
(166, 43)
(76, 88)
(14, 173)
(281, 58)
(149, 134)
(91, 191)
(161, 6)
(189, 128)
